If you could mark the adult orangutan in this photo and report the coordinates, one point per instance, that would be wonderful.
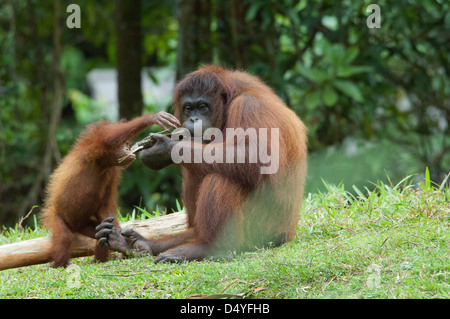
(238, 203)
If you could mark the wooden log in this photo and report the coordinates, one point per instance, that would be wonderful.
(36, 251)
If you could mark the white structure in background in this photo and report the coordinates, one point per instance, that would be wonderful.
(103, 86)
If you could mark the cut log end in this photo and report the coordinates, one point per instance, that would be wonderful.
(36, 251)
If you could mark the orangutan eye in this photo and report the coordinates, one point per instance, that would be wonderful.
(203, 108)
(187, 109)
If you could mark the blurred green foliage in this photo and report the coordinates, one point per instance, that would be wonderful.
(383, 90)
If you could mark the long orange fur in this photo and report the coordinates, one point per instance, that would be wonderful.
(83, 190)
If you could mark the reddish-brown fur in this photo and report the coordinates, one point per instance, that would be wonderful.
(82, 191)
(233, 206)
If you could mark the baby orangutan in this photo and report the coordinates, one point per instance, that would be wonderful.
(83, 190)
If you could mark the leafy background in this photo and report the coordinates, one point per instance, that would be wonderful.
(375, 101)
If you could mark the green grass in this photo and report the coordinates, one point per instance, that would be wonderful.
(391, 242)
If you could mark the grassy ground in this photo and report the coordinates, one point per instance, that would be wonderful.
(392, 242)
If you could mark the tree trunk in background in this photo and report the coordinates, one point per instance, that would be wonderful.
(52, 111)
(194, 35)
(129, 47)
(241, 43)
(235, 36)
(225, 51)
